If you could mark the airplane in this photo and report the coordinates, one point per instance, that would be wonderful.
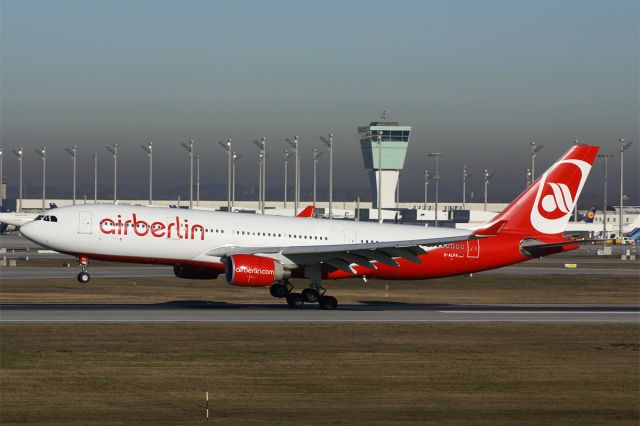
(589, 216)
(266, 251)
(16, 219)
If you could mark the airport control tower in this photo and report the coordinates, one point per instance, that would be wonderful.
(393, 149)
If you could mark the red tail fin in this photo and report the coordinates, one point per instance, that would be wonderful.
(307, 212)
(544, 208)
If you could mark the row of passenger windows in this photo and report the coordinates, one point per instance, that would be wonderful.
(279, 235)
(46, 218)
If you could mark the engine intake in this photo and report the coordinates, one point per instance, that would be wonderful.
(248, 270)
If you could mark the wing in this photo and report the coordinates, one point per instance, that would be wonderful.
(342, 256)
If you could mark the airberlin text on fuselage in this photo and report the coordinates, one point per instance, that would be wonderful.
(176, 229)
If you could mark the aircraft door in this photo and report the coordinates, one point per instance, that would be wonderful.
(349, 236)
(84, 223)
(473, 249)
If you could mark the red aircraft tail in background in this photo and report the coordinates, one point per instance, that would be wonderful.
(307, 212)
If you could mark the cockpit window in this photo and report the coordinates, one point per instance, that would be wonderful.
(39, 217)
(47, 218)
(53, 218)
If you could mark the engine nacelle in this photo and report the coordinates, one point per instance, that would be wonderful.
(248, 270)
(195, 272)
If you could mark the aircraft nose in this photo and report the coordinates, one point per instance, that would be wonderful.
(28, 230)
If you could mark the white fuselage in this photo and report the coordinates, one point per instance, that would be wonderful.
(166, 235)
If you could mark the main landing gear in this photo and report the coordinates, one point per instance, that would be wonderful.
(83, 276)
(313, 294)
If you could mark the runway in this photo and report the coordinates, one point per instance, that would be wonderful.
(365, 312)
(27, 272)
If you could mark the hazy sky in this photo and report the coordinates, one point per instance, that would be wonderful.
(477, 80)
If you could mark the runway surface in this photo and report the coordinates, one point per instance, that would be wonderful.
(26, 272)
(365, 312)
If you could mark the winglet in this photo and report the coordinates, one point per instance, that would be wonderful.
(307, 212)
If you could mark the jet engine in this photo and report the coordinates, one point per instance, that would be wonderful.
(195, 272)
(248, 270)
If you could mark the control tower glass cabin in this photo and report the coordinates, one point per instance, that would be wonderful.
(395, 141)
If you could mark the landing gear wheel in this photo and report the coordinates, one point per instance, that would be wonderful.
(310, 295)
(328, 303)
(278, 290)
(295, 300)
(84, 277)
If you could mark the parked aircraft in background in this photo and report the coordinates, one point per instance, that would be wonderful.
(266, 251)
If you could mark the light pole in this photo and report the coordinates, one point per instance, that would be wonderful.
(427, 178)
(623, 147)
(261, 158)
(604, 210)
(189, 148)
(1, 180)
(379, 175)
(227, 147)
(18, 154)
(262, 144)
(72, 153)
(235, 157)
(43, 154)
(487, 176)
(95, 178)
(534, 149)
(295, 143)
(287, 154)
(465, 178)
(528, 178)
(329, 142)
(198, 180)
(149, 150)
(316, 155)
(437, 156)
(114, 151)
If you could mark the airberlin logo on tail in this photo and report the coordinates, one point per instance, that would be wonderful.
(558, 191)
(177, 229)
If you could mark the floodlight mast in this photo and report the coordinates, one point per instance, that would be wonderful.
(235, 157)
(623, 147)
(604, 210)
(487, 177)
(437, 156)
(465, 178)
(329, 142)
(149, 150)
(427, 177)
(295, 144)
(316, 155)
(189, 148)
(534, 150)
(43, 154)
(72, 153)
(287, 155)
(114, 151)
(18, 155)
(380, 176)
(227, 147)
(262, 144)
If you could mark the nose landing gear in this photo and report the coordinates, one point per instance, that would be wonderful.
(83, 276)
